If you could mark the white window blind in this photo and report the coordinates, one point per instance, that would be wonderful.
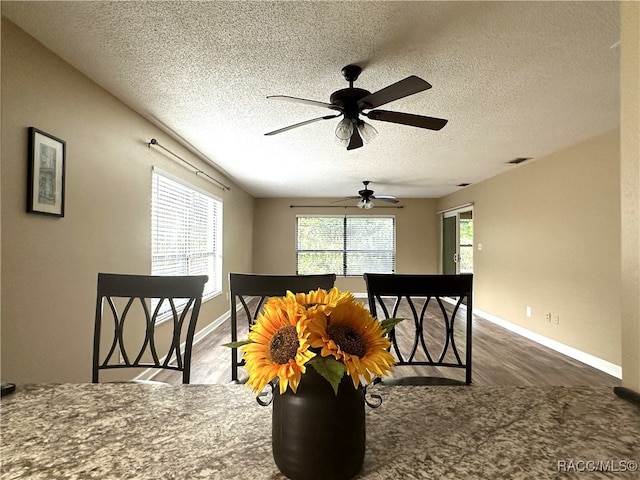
(186, 232)
(346, 245)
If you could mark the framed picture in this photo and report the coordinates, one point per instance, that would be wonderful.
(45, 190)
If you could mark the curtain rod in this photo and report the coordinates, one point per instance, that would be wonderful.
(337, 206)
(153, 141)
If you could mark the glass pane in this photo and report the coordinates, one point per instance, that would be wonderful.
(369, 262)
(310, 263)
(169, 266)
(466, 232)
(370, 233)
(466, 259)
(320, 233)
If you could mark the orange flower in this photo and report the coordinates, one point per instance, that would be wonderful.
(346, 330)
(278, 345)
(331, 322)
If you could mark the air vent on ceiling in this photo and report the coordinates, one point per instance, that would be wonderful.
(519, 160)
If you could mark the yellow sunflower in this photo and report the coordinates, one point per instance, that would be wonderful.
(279, 345)
(353, 336)
(321, 301)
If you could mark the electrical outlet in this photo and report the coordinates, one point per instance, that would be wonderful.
(548, 317)
(556, 319)
(528, 311)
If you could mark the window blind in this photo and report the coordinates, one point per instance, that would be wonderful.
(346, 245)
(186, 231)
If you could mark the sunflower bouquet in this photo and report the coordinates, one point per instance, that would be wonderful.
(327, 330)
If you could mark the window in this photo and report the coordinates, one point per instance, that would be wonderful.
(186, 232)
(345, 245)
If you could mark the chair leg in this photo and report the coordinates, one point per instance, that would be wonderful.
(234, 365)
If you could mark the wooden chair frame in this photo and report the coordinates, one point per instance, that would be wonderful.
(244, 285)
(428, 288)
(184, 295)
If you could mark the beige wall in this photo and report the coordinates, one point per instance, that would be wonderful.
(274, 228)
(0, 228)
(550, 235)
(49, 265)
(630, 186)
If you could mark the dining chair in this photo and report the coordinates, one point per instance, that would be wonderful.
(129, 308)
(432, 307)
(244, 287)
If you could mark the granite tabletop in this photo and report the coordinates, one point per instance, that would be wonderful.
(129, 431)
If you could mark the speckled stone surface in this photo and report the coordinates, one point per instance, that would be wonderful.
(128, 431)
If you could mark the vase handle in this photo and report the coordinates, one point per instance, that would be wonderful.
(373, 400)
(265, 397)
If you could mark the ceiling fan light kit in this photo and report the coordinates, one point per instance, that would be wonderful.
(367, 131)
(365, 203)
(344, 130)
(352, 102)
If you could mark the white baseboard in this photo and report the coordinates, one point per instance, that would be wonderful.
(586, 358)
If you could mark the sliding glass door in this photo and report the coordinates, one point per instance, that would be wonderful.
(457, 241)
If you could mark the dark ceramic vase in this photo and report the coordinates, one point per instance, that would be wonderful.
(318, 435)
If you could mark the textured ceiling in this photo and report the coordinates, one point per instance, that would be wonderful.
(514, 79)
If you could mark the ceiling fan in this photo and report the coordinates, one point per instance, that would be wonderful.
(366, 196)
(352, 102)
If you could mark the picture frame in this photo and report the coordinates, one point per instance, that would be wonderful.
(46, 161)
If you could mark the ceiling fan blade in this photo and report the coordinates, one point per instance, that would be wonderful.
(385, 198)
(304, 100)
(306, 122)
(407, 119)
(395, 91)
(345, 199)
(356, 140)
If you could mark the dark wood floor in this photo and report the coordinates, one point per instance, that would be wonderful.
(500, 357)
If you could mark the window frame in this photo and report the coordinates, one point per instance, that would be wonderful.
(345, 251)
(214, 273)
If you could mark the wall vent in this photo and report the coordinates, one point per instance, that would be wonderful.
(517, 161)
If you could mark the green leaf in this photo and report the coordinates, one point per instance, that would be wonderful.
(237, 344)
(389, 323)
(330, 368)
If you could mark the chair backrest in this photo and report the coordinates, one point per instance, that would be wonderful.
(128, 307)
(245, 286)
(430, 305)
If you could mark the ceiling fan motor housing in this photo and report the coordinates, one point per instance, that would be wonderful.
(365, 193)
(347, 99)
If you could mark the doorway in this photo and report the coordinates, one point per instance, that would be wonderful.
(457, 241)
